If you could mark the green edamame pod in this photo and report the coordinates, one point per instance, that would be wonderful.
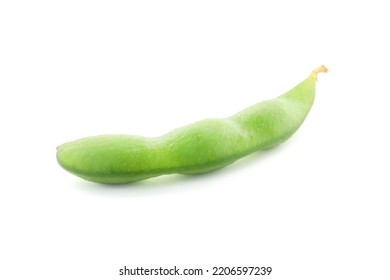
(198, 148)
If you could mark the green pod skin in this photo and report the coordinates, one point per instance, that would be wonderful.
(198, 148)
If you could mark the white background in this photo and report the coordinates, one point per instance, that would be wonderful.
(316, 207)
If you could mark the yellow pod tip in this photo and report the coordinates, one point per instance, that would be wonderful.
(320, 69)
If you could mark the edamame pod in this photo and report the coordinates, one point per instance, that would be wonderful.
(198, 148)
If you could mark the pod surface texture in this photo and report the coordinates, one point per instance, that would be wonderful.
(197, 148)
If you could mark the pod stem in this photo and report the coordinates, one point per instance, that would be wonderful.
(321, 69)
